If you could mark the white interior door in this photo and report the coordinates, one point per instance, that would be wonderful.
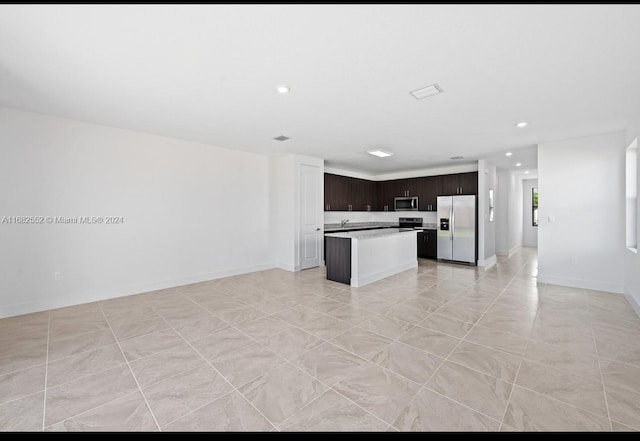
(311, 217)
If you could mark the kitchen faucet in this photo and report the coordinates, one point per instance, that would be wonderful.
(343, 222)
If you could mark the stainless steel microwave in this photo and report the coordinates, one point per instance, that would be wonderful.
(409, 203)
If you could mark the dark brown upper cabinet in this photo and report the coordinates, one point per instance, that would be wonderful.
(363, 195)
(460, 183)
(406, 187)
(343, 193)
(336, 192)
(469, 183)
(428, 192)
(385, 192)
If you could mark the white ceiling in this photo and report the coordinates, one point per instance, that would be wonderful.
(208, 73)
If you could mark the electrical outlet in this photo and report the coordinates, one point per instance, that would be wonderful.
(57, 275)
(572, 261)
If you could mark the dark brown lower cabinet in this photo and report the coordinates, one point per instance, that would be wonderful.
(337, 258)
(427, 244)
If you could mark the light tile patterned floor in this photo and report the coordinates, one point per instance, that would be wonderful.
(442, 347)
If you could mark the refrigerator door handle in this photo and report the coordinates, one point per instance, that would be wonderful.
(451, 223)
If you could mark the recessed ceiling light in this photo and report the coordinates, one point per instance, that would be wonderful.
(508, 154)
(518, 164)
(281, 138)
(379, 153)
(526, 172)
(283, 89)
(426, 92)
(456, 157)
(522, 124)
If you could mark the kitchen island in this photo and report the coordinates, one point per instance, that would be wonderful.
(358, 258)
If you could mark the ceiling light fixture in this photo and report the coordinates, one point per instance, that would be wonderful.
(426, 92)
(508, 154)
(283, 89)
(526, 172)
(379, 153)
(518, 164)
(522, 124)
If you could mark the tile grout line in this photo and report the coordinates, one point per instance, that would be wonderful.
(329, 388)
(595, 344)
(522, 358)
(445, 359)
(46, 372)
(95, 407)
(397, 340)
(549, 397)
(513, 385)
(367, 361)
(297, 367)
(461, 404)
(129, 366)
(209, 363)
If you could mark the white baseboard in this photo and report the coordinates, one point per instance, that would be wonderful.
(514, 250)
(361, 281)
(510, 252)
(487, 263)
(632, 301)
(111, 293)
(286, 266)
(596, 285)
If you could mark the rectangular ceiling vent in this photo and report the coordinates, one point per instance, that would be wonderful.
(281, 138)
(426, 92)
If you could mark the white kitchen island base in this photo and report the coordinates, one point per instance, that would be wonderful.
(375, 254)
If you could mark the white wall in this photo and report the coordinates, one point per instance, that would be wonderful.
(192, 212)
(283, 206)
(529, 233)
(502, 212)
(509, 203)
(516, 203)
(581, 214)
(334, 217)
(487, 179)
(433, 171)
(631, 259)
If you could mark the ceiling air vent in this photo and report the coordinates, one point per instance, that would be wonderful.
(281, 138)
(456, 157)
(426, 92)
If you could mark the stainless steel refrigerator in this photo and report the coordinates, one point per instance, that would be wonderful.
(457, 228)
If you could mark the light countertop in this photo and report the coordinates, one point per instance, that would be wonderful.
(330, 228)
(359, 226)
(371, 234)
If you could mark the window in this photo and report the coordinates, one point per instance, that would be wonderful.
(631, 194)
(534, 206)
